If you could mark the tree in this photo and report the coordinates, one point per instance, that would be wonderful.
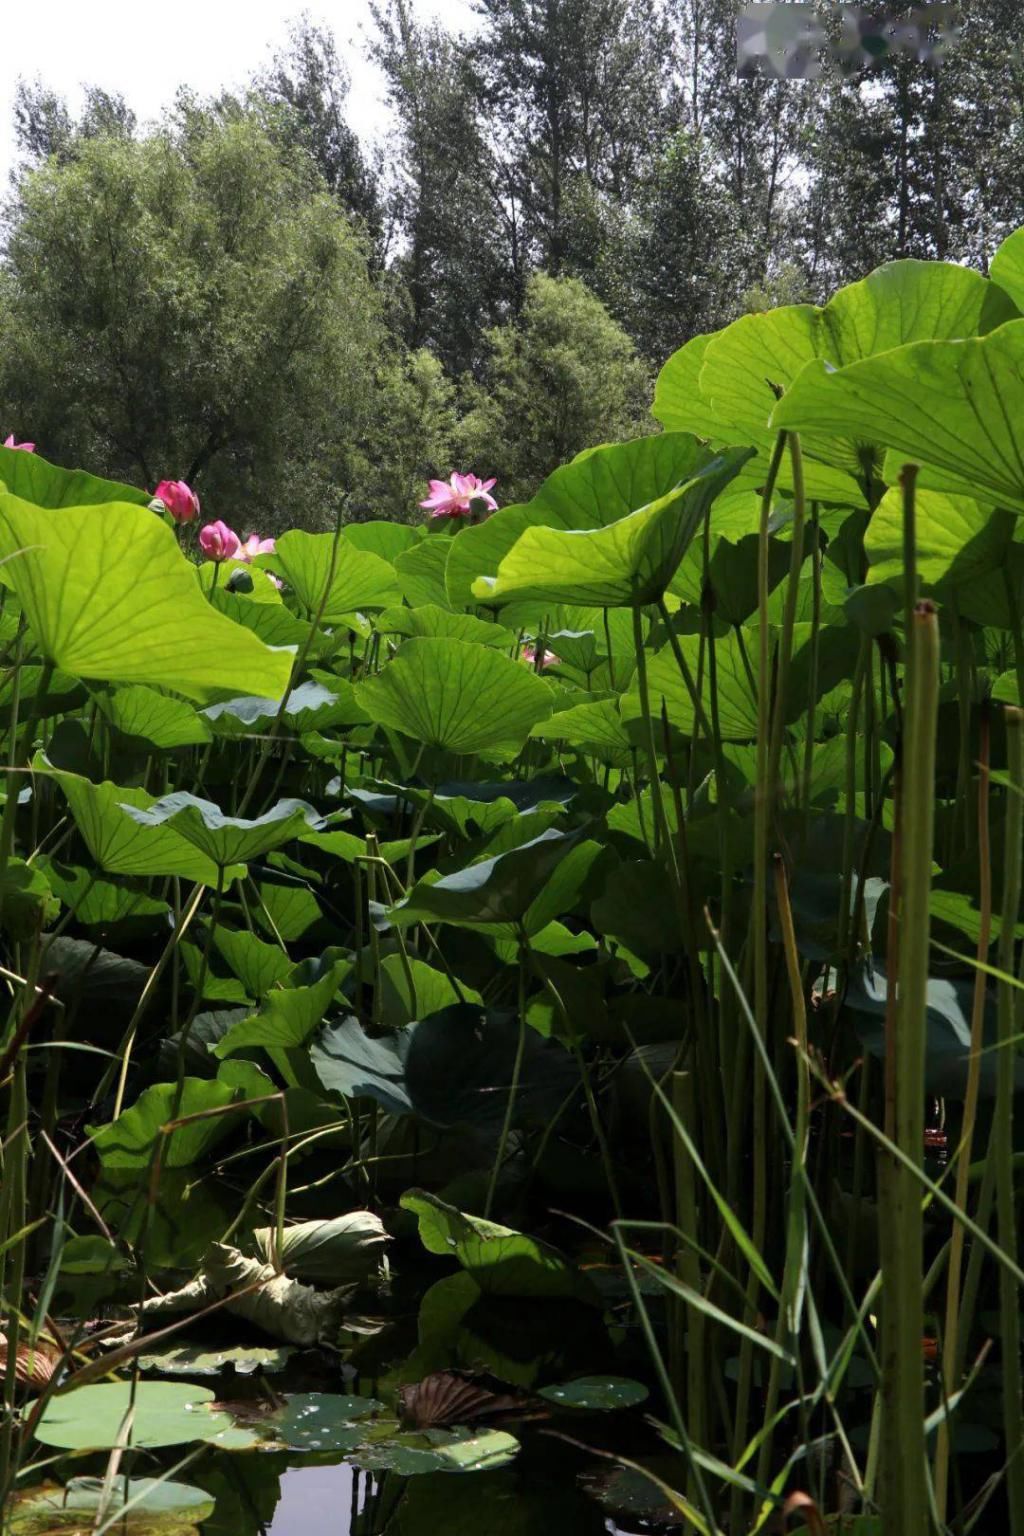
(563, 377)
(308, 81)
(191, 305)
(45, 128)
(410, 438)
(453, 260)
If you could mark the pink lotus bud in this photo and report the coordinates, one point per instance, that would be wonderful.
(25, 447)
(219, 542)
(180, 500)
(460, 496)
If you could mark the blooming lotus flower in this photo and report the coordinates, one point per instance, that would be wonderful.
(547, 658)
(254, 545)
(180, 500)
(455, 497)
(219, 542)
(25, 447)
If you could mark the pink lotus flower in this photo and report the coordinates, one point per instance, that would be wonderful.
(219, 542)
(254, 545)
(547, 658)
(25, 447)
(455, 497)
(180, 500)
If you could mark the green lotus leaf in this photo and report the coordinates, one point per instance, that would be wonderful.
(600, 486)
(182, 1359)
(128, 1141)
(409, 1452)
(596, 729)
(360, 579)
(163, 721)
(327, 1252)
(142, 1507)
(286, 1021)
(506, 890)
(27, 901)
(258, 966)
(109, 596)
(311, 706)
(123, 846)
(31, 477)
(503, 1262)
(421, 573)
(956, 539)
(433, 622)
(601, 1394)
(165, 1413)
(1007, 268)
(225, 840)
(99, 903)
(384, 539)
(456, 695)
(630, 562)
(956, 407)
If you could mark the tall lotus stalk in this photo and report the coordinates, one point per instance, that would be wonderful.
(905, 1484)
(1002, 1128)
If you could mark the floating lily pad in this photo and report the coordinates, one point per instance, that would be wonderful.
(600, 1393)
(166, 1413)
(154, 1508)
(195, 1360)
(320, 1421)
(388, 1449)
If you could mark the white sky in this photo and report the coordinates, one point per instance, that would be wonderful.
(146, 50)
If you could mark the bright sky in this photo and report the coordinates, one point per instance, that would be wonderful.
(147, 50)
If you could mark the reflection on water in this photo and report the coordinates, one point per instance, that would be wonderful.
(315, 1499)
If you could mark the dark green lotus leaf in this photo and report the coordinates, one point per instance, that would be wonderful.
(259, 966)
(502, 889)
(602, 1394)
(949, 1031)
(142, 1507)
(330, 1252)
(407, 1453)
(27, 900)
(225, 840)
(349, 1061)
(501, 1261)
(638, 908)
(165, 1413)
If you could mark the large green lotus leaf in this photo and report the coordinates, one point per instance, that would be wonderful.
(414, 990)
(275, 624)
(421, 572)
(387, 540)
(313, 706)
(120, 845)
(956, 539)
(348, 1061)
(239, 576)
(27, 903)
(360, 579)
(151, 1507)
(599, 1394)
(629, 562)
(258, 966)
(1007, 269)
(226, 840)
(759, 355)
(495, 890)
(432, 622)
(163, 721)
(600, 486)
(165, 1413)
(128, 1141)
(737, 700)
(456, 695)
(678, 402)
(593, 728)
(503, 1262)
(956, 407)
(286, 1021)
(99, 903)
(109, 596)
(29, 476)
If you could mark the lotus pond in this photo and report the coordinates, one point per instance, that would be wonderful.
(514, 1021)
